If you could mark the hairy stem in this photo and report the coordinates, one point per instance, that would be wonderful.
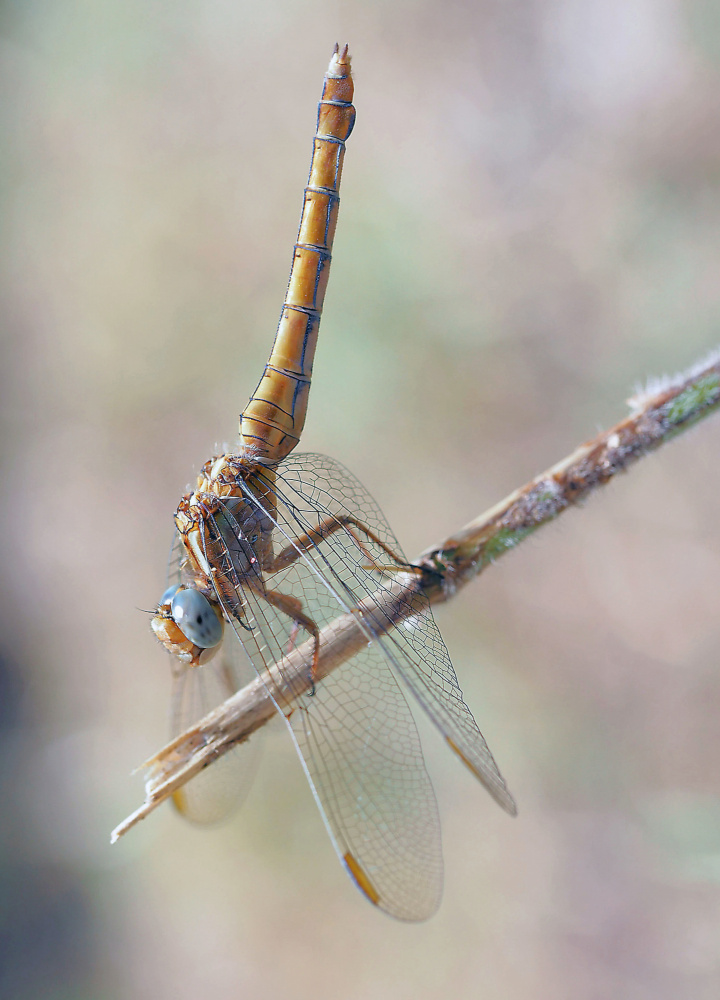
(658, 414)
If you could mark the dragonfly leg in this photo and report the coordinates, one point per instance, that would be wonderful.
(354, 527)
(292, 607)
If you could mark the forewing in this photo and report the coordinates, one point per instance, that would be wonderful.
(362, 753)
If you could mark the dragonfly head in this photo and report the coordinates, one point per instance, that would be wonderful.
(188, 624)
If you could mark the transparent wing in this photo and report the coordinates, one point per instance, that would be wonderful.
(355, 734)
(415, 648)
(361, 752)
(218, 790)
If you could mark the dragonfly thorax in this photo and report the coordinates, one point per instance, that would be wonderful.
(246, 530)
(228, 519)
(222, 474)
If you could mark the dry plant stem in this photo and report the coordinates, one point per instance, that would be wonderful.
(658, 415)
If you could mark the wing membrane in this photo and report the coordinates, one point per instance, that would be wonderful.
(415, 648)
(355, 734)
(218, 790)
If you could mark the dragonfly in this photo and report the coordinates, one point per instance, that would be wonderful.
(270, 548)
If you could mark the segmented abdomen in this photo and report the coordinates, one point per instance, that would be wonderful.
(273, 420)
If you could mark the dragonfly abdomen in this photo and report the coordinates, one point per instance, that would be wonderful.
(272, 422)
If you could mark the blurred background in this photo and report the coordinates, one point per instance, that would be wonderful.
(530, 226)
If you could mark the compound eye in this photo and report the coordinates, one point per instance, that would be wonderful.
(196, 618)
(169, 594)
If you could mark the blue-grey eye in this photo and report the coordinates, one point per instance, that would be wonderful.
(169, 594)
(196, 618)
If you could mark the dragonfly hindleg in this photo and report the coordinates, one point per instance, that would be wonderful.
(353, 527)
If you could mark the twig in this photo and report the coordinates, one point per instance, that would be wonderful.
(659, 413)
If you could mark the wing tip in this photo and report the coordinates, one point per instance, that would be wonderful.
(360, 878)
(493, 781)
(508, 803)
(399, 909)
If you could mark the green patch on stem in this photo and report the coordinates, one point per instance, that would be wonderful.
(506, 538)
(443, 560)
(547, 496)
(695, 398)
